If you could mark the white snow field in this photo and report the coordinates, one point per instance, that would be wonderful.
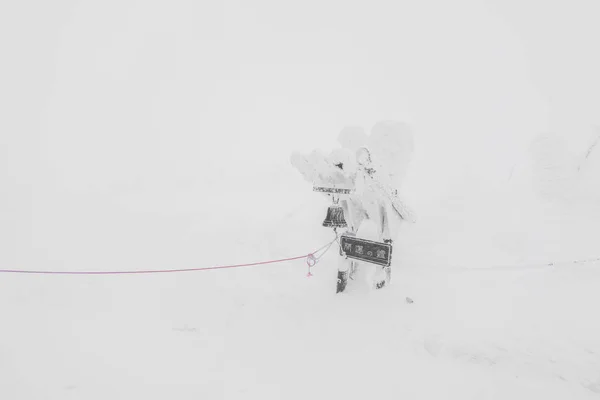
(475, 329)
(157, 135)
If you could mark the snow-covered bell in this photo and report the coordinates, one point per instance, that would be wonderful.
(335, 217)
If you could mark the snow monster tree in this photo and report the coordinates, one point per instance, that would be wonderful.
(363, 178)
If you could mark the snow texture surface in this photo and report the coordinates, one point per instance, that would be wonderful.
(155, 134)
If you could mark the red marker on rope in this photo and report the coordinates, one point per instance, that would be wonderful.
(311, 261)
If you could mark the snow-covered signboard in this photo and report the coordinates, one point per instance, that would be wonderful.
(366, 250)
(322, 189)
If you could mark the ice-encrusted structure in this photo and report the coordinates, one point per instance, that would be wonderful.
(373, 166)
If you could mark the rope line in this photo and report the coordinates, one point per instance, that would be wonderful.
(311, 260)
(535, 266)
(539, 265)
(310, 256)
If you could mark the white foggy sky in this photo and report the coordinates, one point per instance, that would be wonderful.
(97, 96)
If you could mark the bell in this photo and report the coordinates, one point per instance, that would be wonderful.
(335, 217)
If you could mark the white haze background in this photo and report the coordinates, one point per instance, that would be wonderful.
(155, 134)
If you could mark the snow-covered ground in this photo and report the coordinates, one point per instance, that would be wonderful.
(269, 332)
(152, 135)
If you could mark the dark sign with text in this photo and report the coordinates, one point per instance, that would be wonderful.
(366, 250)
